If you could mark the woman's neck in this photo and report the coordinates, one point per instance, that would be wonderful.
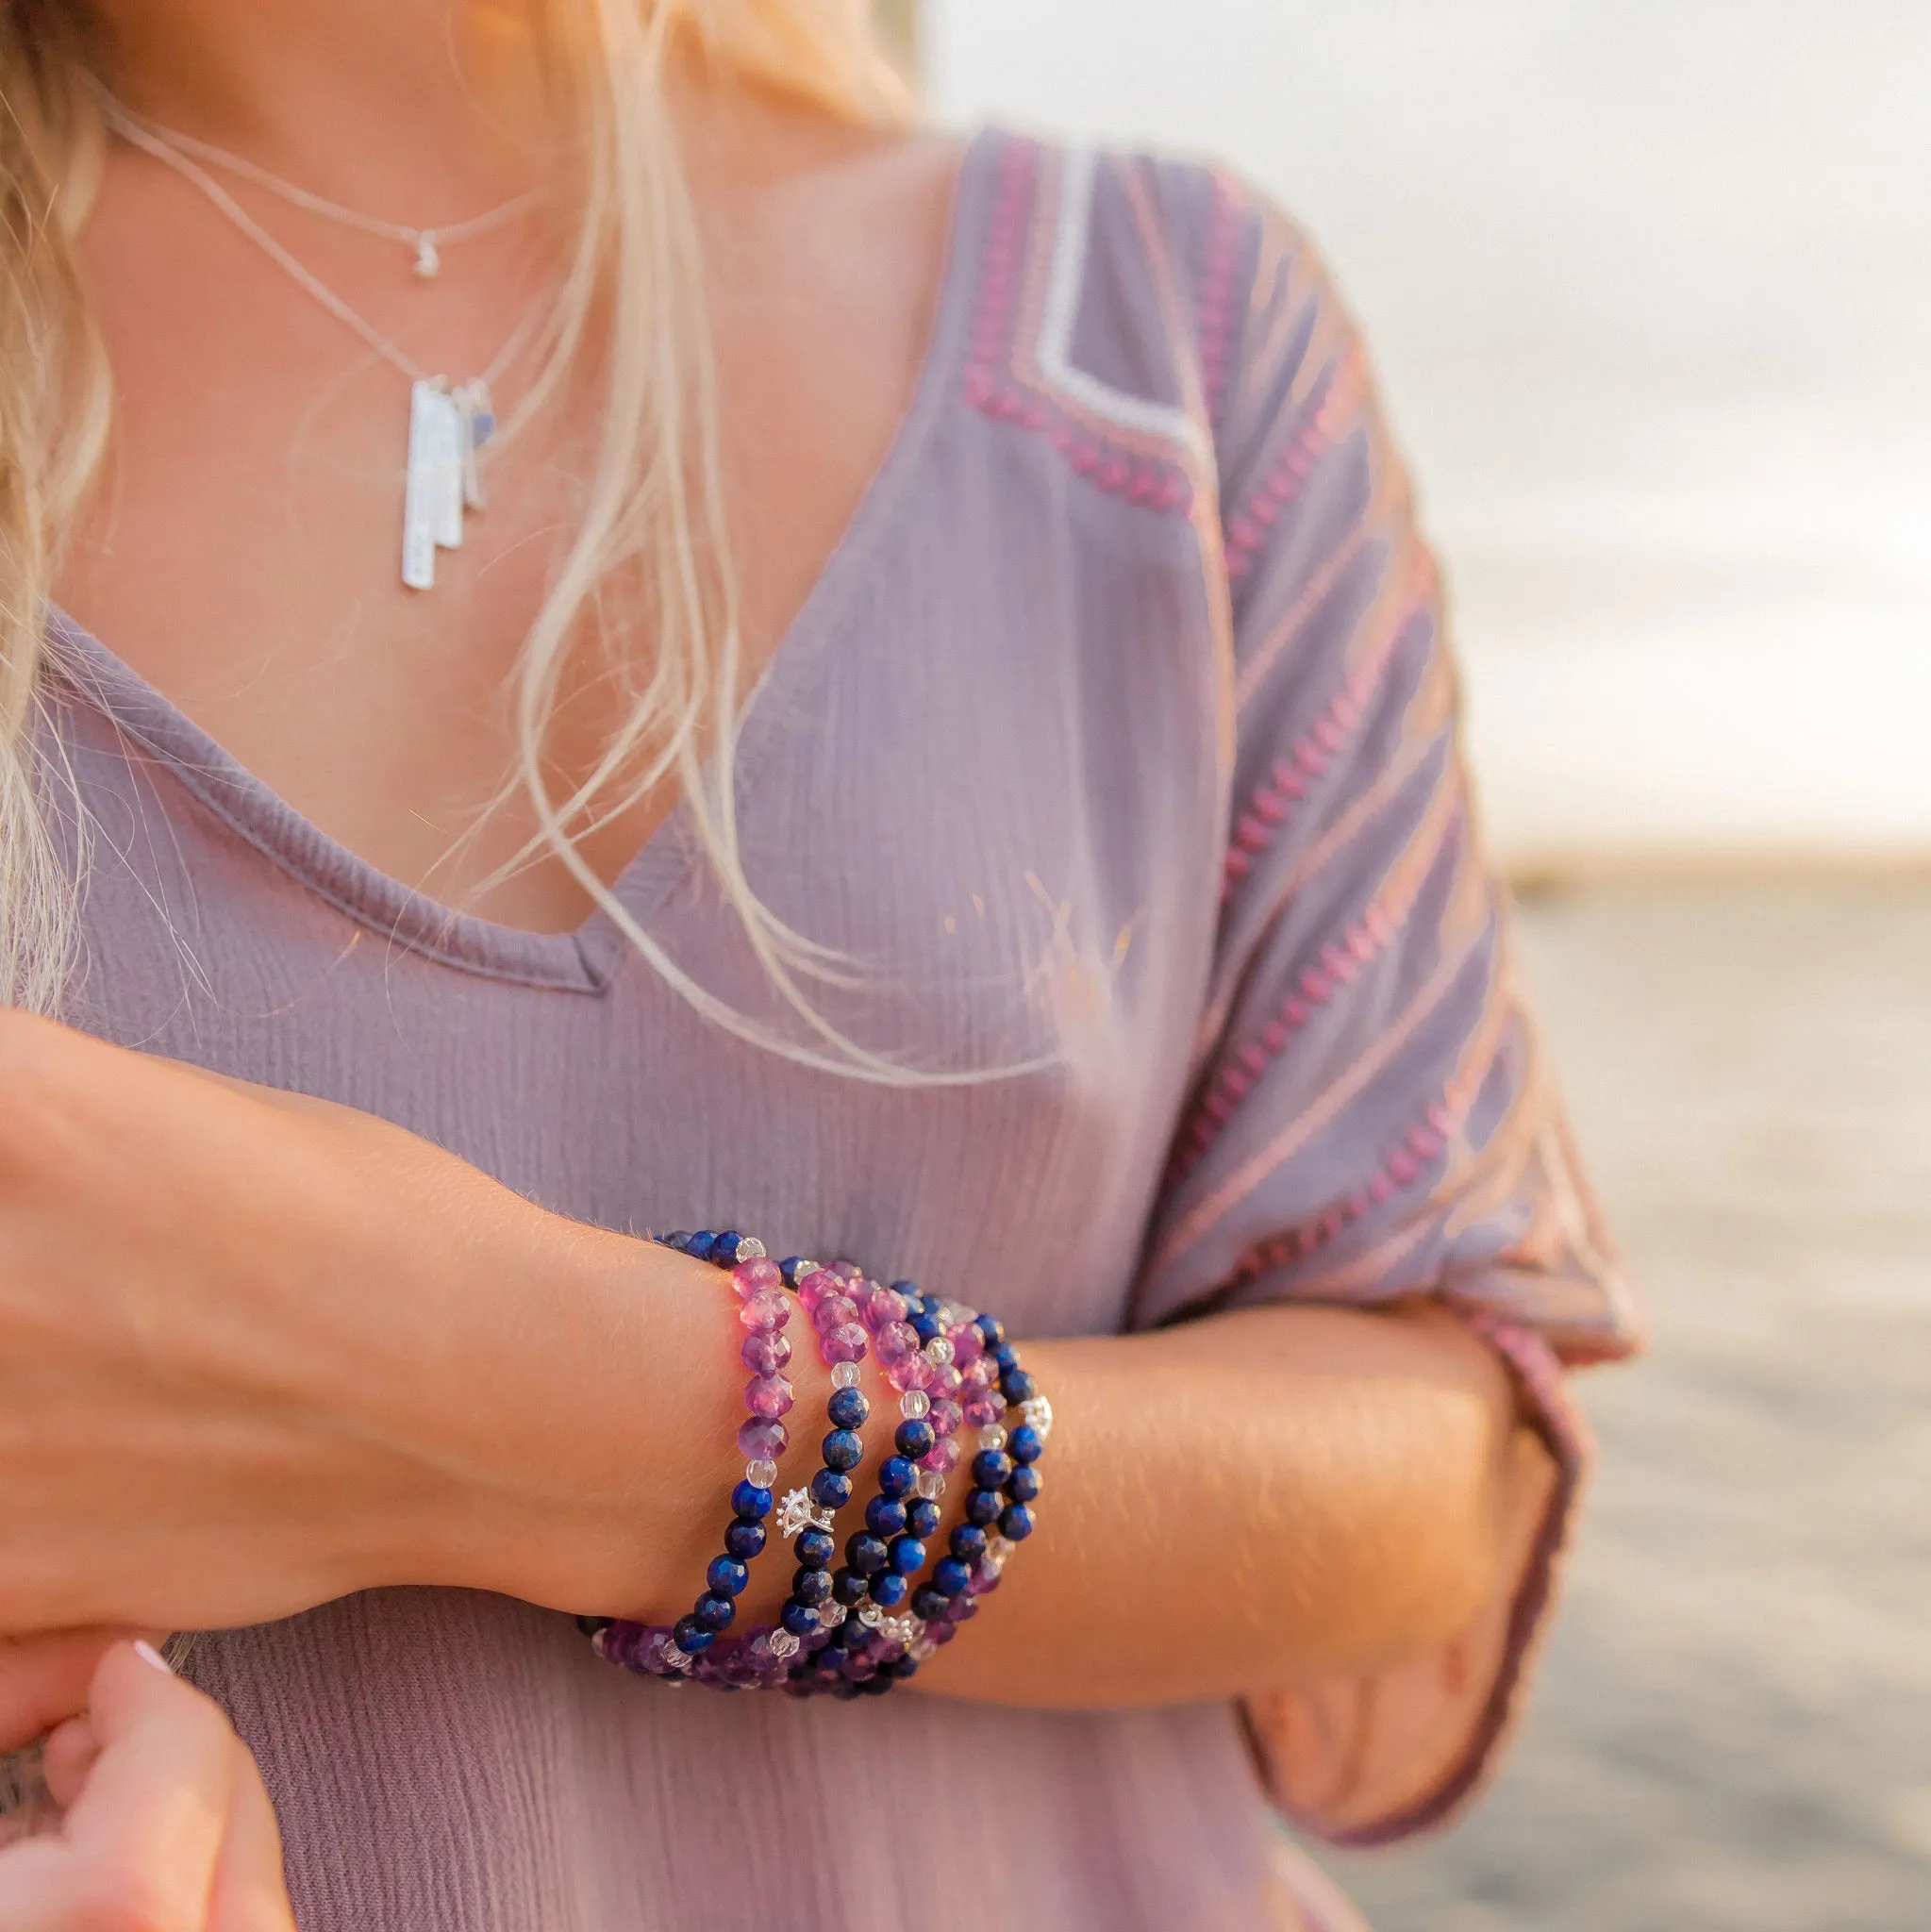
(417, 110)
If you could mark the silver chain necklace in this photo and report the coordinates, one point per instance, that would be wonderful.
(449, 422)
(427, 243)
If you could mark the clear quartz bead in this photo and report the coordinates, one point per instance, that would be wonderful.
(991, 1436)
(925, 1650)
(783, 1643)
(830, 1616)
(939, 1352)
(914, 1404)
(762, 1473)
(931, 1485)
(751, 1249)
(845, 1375)
(1000, 1549)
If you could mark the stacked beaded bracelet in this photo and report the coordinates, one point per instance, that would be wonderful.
(847, 1634)
(691, 1647)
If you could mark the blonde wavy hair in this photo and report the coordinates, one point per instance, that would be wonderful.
(653, 516)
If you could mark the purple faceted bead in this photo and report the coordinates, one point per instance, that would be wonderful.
(834, 1311)
(941, 1458)
(755, 1277)
(945, 1416)
(896, 1338)
(886, 1305)
(846, 1344)
(846, 1271)
(967, 1344)
(764, 1312)
(765, 1355)
(816, 1285)
(946, 1382)
(909, 1372)
(769, 1396)
(983, 1409)
(762, 1439)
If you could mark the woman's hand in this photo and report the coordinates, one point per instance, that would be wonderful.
(167, 1825)
(257, 1352)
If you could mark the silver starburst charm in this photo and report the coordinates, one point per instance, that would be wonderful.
(798, 1512)
(1039, 1411)
(903, 1631)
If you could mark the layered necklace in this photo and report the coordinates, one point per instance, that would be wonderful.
(450, 420)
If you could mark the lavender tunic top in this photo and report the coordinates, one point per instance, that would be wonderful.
(1117, 738)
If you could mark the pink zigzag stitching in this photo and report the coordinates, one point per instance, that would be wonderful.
(1404, 1162)
(1343, 388)
(1222, 256)
(991, 388)
(1340, 962)
(1291, 776)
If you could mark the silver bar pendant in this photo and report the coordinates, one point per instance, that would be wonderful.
(422, 488)
(449, 442)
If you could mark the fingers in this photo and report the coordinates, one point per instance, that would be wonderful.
(67, 1758)
(45, 1679)
(148, 1829)
(250, 1891)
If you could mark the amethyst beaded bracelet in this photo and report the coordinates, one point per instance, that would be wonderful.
(695, 1648)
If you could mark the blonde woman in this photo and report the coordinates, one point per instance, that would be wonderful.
(617, 637)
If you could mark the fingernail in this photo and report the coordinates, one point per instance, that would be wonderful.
(149, 1655)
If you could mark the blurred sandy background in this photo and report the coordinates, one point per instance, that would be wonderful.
(1650, 284)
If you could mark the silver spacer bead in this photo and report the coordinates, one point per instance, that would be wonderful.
(871, 1616)
(678, 1659)
(930, 1485)
(1039, 1411)
(783, 1643)
(751, 1249)
(913, 1404)
(939, 1352)
(844, 1376)
(991, 1436)
(761, 1475)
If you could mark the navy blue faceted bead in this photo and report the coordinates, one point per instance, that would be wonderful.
(726, 1577)
(795, 1268)
(915, 1436)
(844, 1690)
(967, 1542)
(889, 1590)
(698, 1246)
(923, 1518)
(680, 1240)
(899, 1667)
(1005, 1357)
(926, 1326)
(848, 1587)
(905, 1553)
(886, 1516)
(990, 1468)
(842, 1449)
(749, 1500)
(983, 1506)
(876, 1686)
(831, 1489)
(950, 1576)
(723, 1250)
(799, 1619)
(743, 1539)
(1025, 1443)
(1023, 1484)
(1016, 1523)
(930, 1603)
(815, 1548)
(866, 1554)
(896, 1477)
(848, 1408)
(713, 1611)
(812, 1586)
(993, 1329)
(910, 1290)
(692, 1638)
(1017, 1386)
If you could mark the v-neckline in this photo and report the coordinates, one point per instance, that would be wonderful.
(584, 959)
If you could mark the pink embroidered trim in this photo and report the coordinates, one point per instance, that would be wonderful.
(1342, 388)
(1220, 258)
(993, 389)
(1291, 776)
(1340, 962)
(1405, 1161)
